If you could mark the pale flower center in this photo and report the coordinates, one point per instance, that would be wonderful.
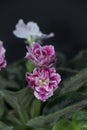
(44, 81)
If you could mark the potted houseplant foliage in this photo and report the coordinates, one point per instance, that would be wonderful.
(43, 91)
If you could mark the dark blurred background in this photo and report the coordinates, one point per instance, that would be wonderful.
(66, 18)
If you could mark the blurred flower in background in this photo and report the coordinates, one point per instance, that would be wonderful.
(2, 56)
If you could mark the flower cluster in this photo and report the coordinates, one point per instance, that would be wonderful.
(2, 56)
(43, 80)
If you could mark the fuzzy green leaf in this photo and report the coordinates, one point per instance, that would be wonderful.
(80, 61)
(75, 82)
(2, 106)
(81, 118)
(16, 72)
(63, 124)
(5, 127)
(66, 72)
(62, 101)
(52, 118)
(80, 115)
(61, 59)
(7, 84)
(20, 101)
(45, 128)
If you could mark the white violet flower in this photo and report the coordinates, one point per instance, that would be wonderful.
(29, 31)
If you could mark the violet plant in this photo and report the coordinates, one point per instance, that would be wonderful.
(42, 91)
(44, 81)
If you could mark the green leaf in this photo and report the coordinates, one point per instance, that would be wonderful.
(82, 124)
(62, 101)
(61, 59)
(80, 115)
(80, 61)
(52, 118)
(76, 126)
(35, 108)
(5, 127)
(20, 101)
(45, 128)
(11, 117)
(66, 72)
(2, 106)
(75, 82)
(63, 124)
(16, 72)
(81, 118)
(7, 84)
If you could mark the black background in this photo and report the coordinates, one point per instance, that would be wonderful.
(66, 18)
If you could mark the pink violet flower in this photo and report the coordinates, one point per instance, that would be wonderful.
(41, 55)
(2, 56)
(29, 30)
(44, 81)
